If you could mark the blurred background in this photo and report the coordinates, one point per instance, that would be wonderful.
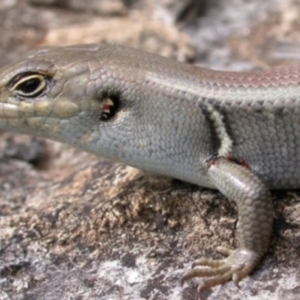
(73, 226)
(211, 32)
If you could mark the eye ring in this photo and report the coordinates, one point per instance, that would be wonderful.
(28, 85)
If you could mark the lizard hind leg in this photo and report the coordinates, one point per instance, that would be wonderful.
(255, 208)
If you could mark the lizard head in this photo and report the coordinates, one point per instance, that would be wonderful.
(67, 94)
(111, 101)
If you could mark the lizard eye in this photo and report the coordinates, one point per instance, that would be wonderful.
(28, 84)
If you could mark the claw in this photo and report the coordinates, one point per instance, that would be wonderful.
(224, 251)
(208, 283)
(204, 262)
(235, 267)
(205, 272)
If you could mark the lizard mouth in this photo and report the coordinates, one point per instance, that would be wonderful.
(28, 116)
(26, 109)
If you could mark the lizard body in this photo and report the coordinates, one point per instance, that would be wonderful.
(238, 132)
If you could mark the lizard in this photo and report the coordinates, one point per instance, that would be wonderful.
(237, 132)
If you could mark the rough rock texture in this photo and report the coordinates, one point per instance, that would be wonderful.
(74, 226)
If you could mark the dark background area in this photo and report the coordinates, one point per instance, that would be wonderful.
(74, 226)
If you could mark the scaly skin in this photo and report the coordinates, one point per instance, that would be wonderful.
(236, 132)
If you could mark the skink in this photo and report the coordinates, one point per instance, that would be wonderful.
(235, 132)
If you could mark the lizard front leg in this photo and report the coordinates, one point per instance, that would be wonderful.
(255, 210)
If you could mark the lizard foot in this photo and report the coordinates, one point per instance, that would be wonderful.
(236, 266)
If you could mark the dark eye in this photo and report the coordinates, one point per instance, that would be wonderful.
(28, 84)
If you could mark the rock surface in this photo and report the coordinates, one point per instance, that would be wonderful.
(74, 226)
